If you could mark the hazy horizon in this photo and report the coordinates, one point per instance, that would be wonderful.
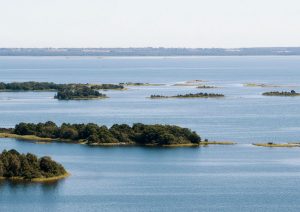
(137, 23)
(141, 47)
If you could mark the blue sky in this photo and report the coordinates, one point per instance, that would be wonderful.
(141, 23)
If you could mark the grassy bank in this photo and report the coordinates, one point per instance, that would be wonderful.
(25, 137)
(37, 180)
(40, 140)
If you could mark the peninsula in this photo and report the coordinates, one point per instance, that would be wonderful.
(16, 166)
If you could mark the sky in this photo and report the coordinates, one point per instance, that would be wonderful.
(149, 23)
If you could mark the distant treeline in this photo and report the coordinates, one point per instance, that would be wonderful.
(64, 91)
(48, 86)
(149, 51)
(282, 93)
(29, 166)
(190, 95)
(94, 134)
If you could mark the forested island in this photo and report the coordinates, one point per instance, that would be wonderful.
(205, 86)
(190, 95)
(282, 93)
(29, 167)
(50, 86)
(93, 134)
(78, 93)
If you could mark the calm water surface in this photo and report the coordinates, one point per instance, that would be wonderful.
(230, 178)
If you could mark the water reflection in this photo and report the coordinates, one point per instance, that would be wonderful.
(24, 185)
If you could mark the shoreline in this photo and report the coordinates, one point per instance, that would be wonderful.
(37, 180)
(40, 140)
(83, 98)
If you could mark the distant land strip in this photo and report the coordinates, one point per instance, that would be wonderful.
(149, 51)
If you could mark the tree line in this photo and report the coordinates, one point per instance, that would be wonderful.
(44, 86)
(93, 134)
(28, 166)
(190, 95)
(78, 93)
(282, 93)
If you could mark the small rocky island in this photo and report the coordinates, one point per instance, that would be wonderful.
(28, 167)
(190, 95)
(79, 93)
(282, 93)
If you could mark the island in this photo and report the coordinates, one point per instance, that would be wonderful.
(28, 167)
(50, 86)
(282, 93)
(190, 95)
(271, 144)
(79, 93)
(93, 134)
(139, 84)
(206, 87)
(101, 135)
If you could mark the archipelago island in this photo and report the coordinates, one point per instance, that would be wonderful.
(28, 167)
(190, 95)
(282, 93)
(118, 134)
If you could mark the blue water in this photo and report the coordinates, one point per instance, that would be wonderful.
(219, 178)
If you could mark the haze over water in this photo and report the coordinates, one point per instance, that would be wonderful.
(219, 178)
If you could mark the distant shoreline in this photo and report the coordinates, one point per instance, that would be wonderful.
(149, 51)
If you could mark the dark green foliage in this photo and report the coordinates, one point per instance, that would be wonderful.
(44, 86)
(50, 168)
(30, 86)
(140, 134)
(190, 95)
(85, 92)
(282, 93)
(159, 97)
(2, 169)
(107, 86)
(133, 83)
(14, 164)
(205, 95)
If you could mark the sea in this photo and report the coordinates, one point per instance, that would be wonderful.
(239, 177)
